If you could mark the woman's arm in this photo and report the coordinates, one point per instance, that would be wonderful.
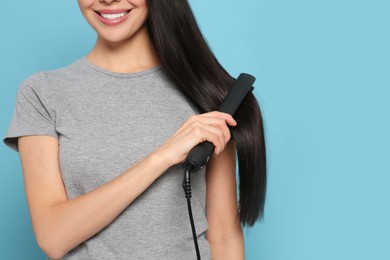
(60, 224)
(224, 233)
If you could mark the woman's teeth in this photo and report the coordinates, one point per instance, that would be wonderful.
(113, 16)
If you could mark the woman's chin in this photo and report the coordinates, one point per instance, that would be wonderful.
(113, 38)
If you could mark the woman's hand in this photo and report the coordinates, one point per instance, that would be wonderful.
(211, 126)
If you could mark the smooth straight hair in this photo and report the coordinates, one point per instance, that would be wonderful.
(191, 64)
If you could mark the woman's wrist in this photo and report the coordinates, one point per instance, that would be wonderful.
(161, 158)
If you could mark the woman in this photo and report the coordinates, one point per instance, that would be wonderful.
(101, 142)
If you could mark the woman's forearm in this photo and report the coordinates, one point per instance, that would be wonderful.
(229, 249)
(69, 223)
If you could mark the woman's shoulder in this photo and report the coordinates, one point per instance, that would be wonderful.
(68, 72)
(54, 77)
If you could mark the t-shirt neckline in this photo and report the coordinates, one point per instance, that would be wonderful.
(118, 74)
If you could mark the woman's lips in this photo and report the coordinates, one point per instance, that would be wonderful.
(112, 17)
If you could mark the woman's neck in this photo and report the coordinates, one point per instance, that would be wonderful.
(133, 55)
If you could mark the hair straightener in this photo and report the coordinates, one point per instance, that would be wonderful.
(198, 157)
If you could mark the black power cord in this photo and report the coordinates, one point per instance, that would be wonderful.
(187, 190)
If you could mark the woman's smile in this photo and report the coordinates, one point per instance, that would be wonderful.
(112, 17)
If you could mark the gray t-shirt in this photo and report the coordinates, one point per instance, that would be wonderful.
(105, 122)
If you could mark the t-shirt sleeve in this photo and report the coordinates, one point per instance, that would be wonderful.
(31, 115)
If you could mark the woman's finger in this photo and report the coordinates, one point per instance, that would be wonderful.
(211, 134)
(229, 119)
(209, 120)
(219, 123)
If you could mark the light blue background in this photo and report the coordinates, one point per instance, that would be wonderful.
(323, 79)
